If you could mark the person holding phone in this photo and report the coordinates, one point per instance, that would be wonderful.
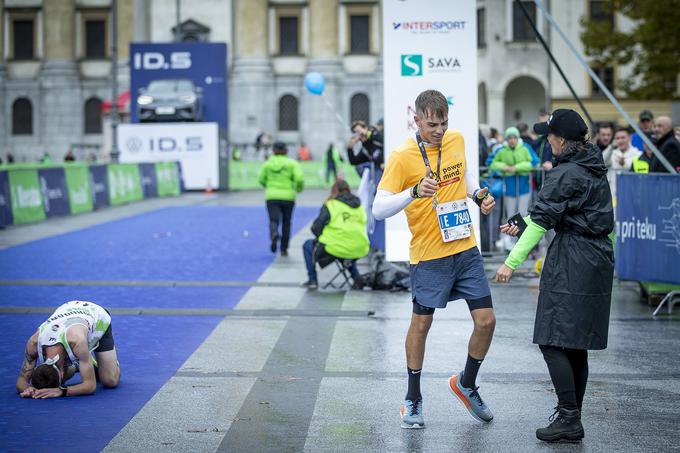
(576, 283)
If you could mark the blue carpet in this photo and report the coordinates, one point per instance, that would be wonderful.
(182, 243)
(150, 350)
(123, 296)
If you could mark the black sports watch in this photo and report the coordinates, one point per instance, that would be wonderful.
(64, 390)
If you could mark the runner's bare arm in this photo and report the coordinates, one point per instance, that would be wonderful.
(487, 202)
(30, 356)
(89, 384)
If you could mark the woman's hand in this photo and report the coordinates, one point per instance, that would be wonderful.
(510, 230)
(504, 274)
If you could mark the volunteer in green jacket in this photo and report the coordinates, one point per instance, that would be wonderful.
(340, 231)
(281, 178)
(641, 162)
(514, 161)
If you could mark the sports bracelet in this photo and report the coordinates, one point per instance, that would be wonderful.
(64, 390)
(478, 200)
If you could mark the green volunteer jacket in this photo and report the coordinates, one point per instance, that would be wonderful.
(281, 178)
(344, 236)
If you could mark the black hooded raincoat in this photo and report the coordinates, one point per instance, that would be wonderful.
(576, 281)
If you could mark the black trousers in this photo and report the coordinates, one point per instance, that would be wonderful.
(280, 211)
(569, 374)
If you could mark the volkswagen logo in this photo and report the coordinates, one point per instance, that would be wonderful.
(134, 144)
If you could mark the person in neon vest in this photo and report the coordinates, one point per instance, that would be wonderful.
(340, 231)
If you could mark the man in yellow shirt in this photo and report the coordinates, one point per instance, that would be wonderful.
(427, 177)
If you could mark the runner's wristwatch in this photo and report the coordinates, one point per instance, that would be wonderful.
(64, 390)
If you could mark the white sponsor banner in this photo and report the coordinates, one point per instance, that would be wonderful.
(194, 145)
(428, 44)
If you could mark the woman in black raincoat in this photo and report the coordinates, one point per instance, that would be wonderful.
(576, 282)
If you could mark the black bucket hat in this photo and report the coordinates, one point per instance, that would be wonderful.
(564, 123)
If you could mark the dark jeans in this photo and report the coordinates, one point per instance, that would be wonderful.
(314, 252)
(280, 211)
(569, 373)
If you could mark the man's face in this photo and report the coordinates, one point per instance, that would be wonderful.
(432, 128)
(647, 125)
(360, 131)
(605, 135)
(512, 141)
(622, 140)
(662, 127)
(556, 144)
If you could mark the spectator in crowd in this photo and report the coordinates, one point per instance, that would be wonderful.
(69, 157)
(303, 152)
(667, 144)
(495, 141)
(46, 158)
(340, 231)
(10, 158)
(483, 147)
(622, 156)
(514, 161)
(646, 123)
(641, 163)
(332, 161)
(236, 153)
(282, 178)
(524, 133)
(371, 140)
(92, 157)
(541, 145)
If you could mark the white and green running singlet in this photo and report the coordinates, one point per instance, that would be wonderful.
(75, 312)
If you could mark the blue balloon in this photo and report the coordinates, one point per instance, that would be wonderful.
(315, 83)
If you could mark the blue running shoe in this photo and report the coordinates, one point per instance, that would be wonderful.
(412, 414)
(470, 399)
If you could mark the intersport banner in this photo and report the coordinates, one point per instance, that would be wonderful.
(78, 184)
(54, 191)
(124, 183)
(99, 186)
(168, 178)
(147, 173)
(433, 47)
(5, 203)
(648, 227)
(27, 203)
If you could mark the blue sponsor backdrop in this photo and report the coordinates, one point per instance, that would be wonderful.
(648, 227)
(54, 191)
(203, 63)
(5, 204)
(147, 174)
(99, 184)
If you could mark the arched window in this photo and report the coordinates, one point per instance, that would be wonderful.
(359, 108)
(288, 113)
(93, 116)
(22, 117)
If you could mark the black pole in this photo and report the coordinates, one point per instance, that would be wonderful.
(557, 66)
(115, 154)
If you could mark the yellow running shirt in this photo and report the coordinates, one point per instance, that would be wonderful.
(405, 167)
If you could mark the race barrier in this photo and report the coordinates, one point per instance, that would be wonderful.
(648, 227)
(34, 192)
(243, 175)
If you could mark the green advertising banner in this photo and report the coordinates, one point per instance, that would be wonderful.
(27, 202)
(78, 184)
(243, 175)
(167, 178)
(124, 183)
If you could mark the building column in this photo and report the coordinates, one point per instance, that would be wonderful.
(316, 118)
(125, 36)
(252, 84)
(60, 115)
(496, 109)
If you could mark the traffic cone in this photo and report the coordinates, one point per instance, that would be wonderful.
(208, 187)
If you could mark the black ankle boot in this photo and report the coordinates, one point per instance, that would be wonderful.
(565, 427)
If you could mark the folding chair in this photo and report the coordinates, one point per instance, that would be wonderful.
(343, 270)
